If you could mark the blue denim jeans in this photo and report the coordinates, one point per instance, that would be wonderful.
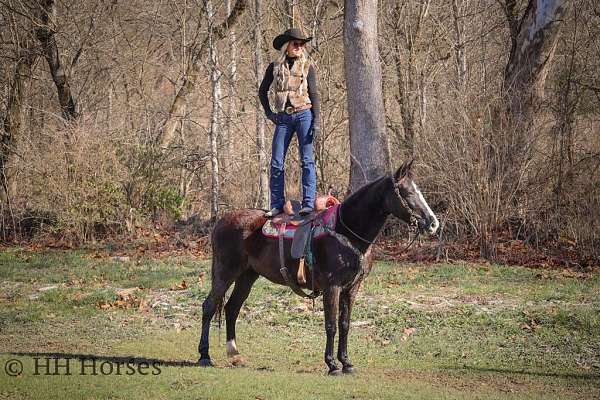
(287, 124)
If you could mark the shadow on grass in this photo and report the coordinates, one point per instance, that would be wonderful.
(113, 359)
(472, 368)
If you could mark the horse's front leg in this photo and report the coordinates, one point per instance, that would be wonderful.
(331, 298)
(346, 302)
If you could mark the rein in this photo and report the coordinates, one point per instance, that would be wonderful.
(413, 222)
(350, 230)
(395, 254)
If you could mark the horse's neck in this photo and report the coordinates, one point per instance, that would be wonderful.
(363, 214)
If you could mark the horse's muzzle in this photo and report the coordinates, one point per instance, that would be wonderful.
(429, 224)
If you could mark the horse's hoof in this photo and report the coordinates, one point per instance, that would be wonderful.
(335, 372)
(348, 370)
(205, 362)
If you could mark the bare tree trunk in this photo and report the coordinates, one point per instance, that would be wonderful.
(568, 102)
(412, 87)
(534, 38)
(192, 71)
(316, 23)
(215, 79)
(459, 46)
(12, 124)
(263, 177)
(404, 85)
(422, 100)
(509, 148)
(291, 9)
(45, 34)
(533, 47)
(227, 141)
(369, 150)
(403, 98)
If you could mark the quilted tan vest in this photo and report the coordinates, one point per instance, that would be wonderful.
(290, 84)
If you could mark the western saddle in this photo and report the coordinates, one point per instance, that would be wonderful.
(301, 227)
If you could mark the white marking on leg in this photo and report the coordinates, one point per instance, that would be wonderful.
(434, 223)
(232, 348)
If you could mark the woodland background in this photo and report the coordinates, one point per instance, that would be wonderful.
(123, 115)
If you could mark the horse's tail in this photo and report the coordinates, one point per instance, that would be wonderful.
(219, 301)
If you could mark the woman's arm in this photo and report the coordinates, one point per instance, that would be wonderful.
(313, 94)
(263, 90)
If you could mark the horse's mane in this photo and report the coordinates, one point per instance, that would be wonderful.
(366, 187)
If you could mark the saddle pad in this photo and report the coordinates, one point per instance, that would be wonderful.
(324, 221)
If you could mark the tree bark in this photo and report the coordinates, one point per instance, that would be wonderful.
(12, 123)
(227, 134)
(511, 143)
(459, 46)
(215, 79)
(369, 150)
(534, 42)
(192, 71)
(46, 35)
(263, 177)
(291, 12)
(412, 83)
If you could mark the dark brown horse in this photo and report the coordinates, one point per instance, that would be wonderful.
(241, 253)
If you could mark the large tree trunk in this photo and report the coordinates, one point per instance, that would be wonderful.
(192, 71)
(45, 34)
(534, 40)
(263, 177)
(369, 150)
(511, 144)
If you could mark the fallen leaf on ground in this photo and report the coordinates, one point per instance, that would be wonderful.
(180, 286)
(407, 332)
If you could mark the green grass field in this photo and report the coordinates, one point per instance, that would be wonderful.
(457, 331)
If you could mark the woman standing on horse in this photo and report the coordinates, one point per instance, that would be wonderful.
(296, 110)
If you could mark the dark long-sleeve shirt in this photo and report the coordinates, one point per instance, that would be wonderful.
(313, 94)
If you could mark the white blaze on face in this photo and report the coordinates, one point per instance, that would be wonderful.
(434, 221)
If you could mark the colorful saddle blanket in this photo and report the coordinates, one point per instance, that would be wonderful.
(323, 222)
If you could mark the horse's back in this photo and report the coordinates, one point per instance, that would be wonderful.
(245, 221)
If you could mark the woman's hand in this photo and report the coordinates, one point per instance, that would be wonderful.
(316, 131)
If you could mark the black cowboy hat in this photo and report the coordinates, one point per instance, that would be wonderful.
(290, 34)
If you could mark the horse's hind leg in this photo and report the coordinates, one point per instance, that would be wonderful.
(209, 307)
(241, 290)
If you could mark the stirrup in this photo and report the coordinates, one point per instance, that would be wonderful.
(305, 211)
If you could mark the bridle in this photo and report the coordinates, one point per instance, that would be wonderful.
(413, 220)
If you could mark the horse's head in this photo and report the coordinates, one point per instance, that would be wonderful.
(406, 202)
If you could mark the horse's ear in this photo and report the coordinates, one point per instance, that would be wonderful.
(403, 170)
